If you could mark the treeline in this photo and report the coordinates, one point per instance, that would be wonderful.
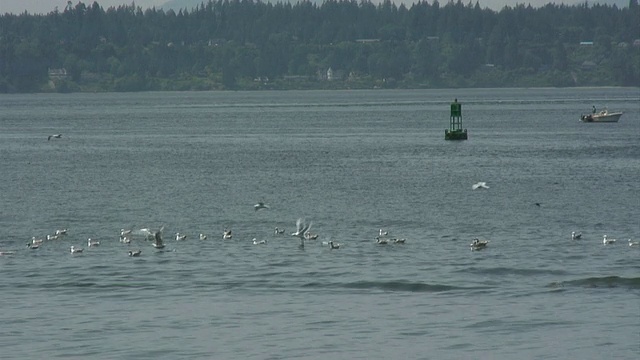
(247, 44)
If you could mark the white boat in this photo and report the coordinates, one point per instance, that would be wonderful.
(602, 116)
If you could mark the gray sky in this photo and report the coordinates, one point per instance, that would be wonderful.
(46, 6)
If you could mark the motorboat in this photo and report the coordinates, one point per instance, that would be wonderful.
(601, 116)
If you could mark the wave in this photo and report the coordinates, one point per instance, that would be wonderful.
(601, 282)
(512, 271)
(399, 286)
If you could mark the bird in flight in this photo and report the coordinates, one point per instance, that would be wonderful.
(55, 136)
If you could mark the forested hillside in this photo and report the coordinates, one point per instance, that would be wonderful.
(247, 44)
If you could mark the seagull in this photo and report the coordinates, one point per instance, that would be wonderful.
(203, 237)
(52, 237)
(226, 234)
(398, 241)
(61, 232)
(157, 243)
(333, 245)
(381, 241)
(180, 237)
(479, 244)
(135, 253)
(260, 205)
(278, 231)
(125, 239)
(33, 246)
(35, 241)
(75, 249)
(261, 242)
(575, 235)
(633, 243)
(7, 253)
(91, 242)
(124, 232)
(383, 233)
(606, 241)
(310, 236)
(301, 229)
(54, 136)
(480, 185)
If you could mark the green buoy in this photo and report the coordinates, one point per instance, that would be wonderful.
(455, 130)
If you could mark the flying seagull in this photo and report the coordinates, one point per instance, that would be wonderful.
(260, 205)
(55, 136)
(480, 185)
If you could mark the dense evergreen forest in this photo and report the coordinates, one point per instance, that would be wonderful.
(250, 44)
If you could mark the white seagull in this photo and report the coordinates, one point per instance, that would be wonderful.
(398, 241)
(92, 242)
(480, 185)
(125, 239)
(278, 231)
(383, 233)
(606, 241)
(203, 237)
(575, 235)
(35, 241)
(260, 205)
(259, 242)
(301, 229)
(381, 241)
(226, 234)
(52, 237)
(180, 237)
(157, 243)
(75, 250)
(633, 243)
(333, 245)
(54, 136)
(479, 244)
(61, 232)
(135, 253)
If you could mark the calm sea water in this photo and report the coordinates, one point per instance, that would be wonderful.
(351, 162)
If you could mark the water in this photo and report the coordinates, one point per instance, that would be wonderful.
(351, 162)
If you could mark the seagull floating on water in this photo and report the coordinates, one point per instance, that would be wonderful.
(61, 232)
(125, 239)
(333, 245)
(92, 242)
(33, 246)
(135, 252)
(381, 241)
(633, 243)
(260, 205)
(35, 241)
(75, 250)
(259, 242)
(125, 232)
(398, 241)
(575, 235)
(480, 185)
(52, 237)
(278, 231)
(180, 237)
(226, 234)
(203, 237)
(607, 241)
(54, 136)
(479, 244)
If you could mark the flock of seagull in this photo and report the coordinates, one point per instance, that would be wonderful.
(302, 232)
